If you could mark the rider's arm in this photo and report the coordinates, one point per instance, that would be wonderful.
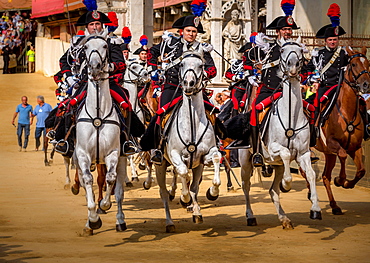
(209, 66)
(116, 59)
(152, 57)
(229, 75)
(64, 66)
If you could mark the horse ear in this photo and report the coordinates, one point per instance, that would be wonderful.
(87, 32)
(349, 50)
(364, 50)
(282, 40)
(299, 40)
(105, 33)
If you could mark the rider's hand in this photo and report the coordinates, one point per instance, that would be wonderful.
(73, 81)
(154, 75)
(207, 47)
(253, 81)
(238, 76)
(111, 67)
(61, 98)
(157, 92)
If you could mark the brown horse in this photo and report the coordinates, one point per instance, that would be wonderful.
(343, 131)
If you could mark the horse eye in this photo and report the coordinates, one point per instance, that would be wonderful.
(353, 65)
(133, 67)
(105, 46)
(181, 65)
(85, 47)
(282, 50)
(200, 66)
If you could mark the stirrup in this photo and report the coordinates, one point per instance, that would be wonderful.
(157, 157)
(255, 163)
(129, 148)
(237, 144)
(62, 147)
(51, 135)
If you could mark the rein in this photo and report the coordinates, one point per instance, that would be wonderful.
(354, 84)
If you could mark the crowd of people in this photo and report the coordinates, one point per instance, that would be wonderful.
(16, 30)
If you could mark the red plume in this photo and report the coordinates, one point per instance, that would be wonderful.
(113, 18)
(292, 2)
(126, 32)
(334, 10)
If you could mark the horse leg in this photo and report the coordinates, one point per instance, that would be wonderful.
(246, 171)
(111, 161)
(73, 162)
(342, 155)
(181, 169)
(303, 173)
(287, 178)
(160, 172)
(52, 155)
(67, 161)
(172, 192)
(326, 178)
(102, 170)
(119, 193)
(194, 189)
(275, 192)
(134, 175)
(214, 156)
(46, 162)
(228, 171)
(75, 188)
(86, 179)
(357, 158)
(149, 179)
(304, 162)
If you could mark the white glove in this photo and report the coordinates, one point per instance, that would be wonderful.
(111, 67)
(116, 40)
(61, 98)
(238, 76)
(207, 47)
(72, 81)
(253, 81)
(157, 92)
(62, 86)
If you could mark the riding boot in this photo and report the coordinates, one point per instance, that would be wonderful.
(257, 159)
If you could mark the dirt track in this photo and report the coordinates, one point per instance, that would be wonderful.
(42, 222)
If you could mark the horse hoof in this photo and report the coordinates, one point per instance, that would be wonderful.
(197, 219)
(267, 173)
(283, 189)
(135, 179)
(66, 186)
(145, 187)
(50, 162)
(315, 215)
(185, 205)
(170, 229)
(230, 188)
(86, 232)
(95, 225)
(47, 164)
(309, 196)
(100, 211)
(287, 225)
(74, 190)
(337, 211)
(171, 197)
(211, 197)
(121, 227)
(129, 184)
(141, 166)
(336, 182)
(105, 208)
(251, 221)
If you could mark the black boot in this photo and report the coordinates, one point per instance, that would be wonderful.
(128, 148)
(312, 135)
(257, 159)
(157, 157)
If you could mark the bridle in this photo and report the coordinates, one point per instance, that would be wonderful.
(137, 75)
(104, 60)
(284, 62)
(354, 84)
(198, 79)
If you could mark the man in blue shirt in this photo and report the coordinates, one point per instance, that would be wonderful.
(42, 111)
(25, 110)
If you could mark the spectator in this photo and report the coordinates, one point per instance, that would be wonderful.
(24, 122)
(42, 111)
(30, 57)
(6, 58)
(5, 17)
(12, 63)
(225, 95)
(218, 99)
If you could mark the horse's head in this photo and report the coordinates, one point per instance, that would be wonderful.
(291, 57)
(96, 51)
(191, 72)
(358, 70)
(137, 72)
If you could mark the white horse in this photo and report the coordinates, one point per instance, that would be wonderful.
(98, 134)
(191, 142)
(135, 75)
(286, 138)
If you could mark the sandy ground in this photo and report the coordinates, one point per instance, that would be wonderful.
(42, 222)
